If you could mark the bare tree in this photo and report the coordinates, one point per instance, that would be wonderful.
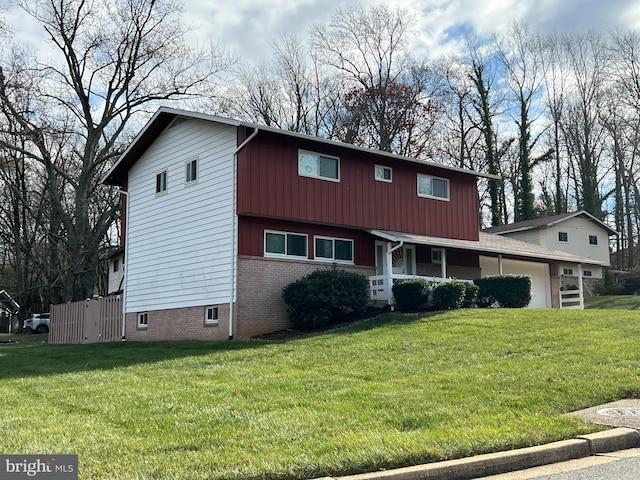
(524, 79)
(393, 100)
(115, 61)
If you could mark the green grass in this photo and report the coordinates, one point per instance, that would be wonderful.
(391, 391)
(616, 302)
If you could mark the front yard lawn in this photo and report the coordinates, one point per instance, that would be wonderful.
(390, 391)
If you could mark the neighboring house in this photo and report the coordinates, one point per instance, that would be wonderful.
(220, 215)
(579, 233)
(115, 263)
(8, 310)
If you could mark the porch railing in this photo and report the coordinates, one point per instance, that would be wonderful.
(378, 288)
(573, 299)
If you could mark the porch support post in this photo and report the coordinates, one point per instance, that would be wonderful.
(443, 263)
(389, 270)
(580, 287)
(499, 264)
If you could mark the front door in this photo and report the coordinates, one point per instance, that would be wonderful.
(403, 259)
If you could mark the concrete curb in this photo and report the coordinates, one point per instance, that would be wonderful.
(512, 460)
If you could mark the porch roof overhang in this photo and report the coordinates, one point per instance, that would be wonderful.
(491, 245)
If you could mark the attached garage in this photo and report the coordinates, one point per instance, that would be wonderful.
(539, 272)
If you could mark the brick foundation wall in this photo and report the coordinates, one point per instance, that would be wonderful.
(260, 308)
(179, 324)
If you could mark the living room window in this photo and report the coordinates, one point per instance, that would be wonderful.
(436, 255)
(285, 244)
(339, 250)
(433, 187)
(315, 165)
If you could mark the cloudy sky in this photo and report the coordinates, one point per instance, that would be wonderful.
(248, 27)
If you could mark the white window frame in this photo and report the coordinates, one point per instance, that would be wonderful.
(587, 273)
(189, 171)
(379, 171)
(566, 234)
(592, 235)
(437, 258)
(285, 254)
(431, 178)
(116, 265)
(333, 259)
(211, 315)
(567, 271)
(160, 176)
(142, 320)
(305, 169)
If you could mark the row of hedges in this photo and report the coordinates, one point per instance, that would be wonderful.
(326, 296)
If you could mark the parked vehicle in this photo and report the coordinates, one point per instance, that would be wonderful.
(38, 323)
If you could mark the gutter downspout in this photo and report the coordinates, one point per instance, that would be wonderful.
(390, 269)
(125, 265)
(234, 229)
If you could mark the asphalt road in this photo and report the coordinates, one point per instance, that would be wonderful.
(622, 465)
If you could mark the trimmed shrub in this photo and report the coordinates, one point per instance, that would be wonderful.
(324, 296)
(508, 291)
(411, 294)
(449, 295)
(470, 294)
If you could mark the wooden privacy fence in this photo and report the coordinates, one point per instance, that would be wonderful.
(88, 321)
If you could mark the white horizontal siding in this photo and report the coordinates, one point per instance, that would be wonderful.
(179, 243)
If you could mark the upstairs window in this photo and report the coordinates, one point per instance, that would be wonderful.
(318, 166)
(161, 182)
(433, 187)
(563, 237)
(284, 244)
(593, 240)
(383, 174)
(337, 250)
(191, 170)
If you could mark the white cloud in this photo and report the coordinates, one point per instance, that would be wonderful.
(250, 26)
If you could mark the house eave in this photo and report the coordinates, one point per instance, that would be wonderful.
(163, 117)
(490, 244)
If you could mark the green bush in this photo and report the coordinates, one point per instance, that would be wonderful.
(470, 294)
(323, 296)
(411, 294)
(508, 291)
(449, 295)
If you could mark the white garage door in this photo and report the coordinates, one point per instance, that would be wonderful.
(540, 286)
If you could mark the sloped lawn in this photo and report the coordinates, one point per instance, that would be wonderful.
(391, 391)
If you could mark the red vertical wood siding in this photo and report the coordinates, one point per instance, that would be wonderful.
(269, 185)
(251, 237)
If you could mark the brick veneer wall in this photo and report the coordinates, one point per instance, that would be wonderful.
(179, 324)
(260, 308)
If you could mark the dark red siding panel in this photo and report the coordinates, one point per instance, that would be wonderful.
(251, 237)
(269, 185)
